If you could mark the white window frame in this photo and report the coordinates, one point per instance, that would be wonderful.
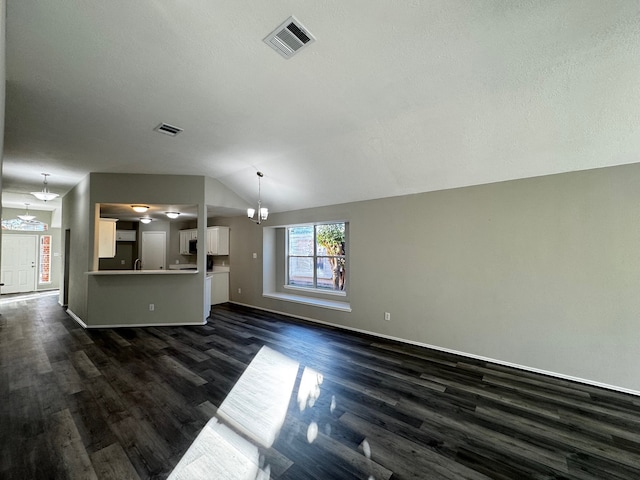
(314, 258)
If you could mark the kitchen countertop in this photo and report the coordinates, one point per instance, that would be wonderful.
(143, 272)
(186, 269)
(218, 269)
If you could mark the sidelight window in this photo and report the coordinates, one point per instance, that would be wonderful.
(45, 259)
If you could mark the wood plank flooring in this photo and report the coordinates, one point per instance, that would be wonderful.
(127, 404)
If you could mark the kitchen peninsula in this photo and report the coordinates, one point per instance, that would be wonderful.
(126, 297)
(146, 297)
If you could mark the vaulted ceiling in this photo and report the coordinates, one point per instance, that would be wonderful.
(392, 98)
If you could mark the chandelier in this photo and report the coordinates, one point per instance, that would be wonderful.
(263, 212)
(27, 217)
(45, 195)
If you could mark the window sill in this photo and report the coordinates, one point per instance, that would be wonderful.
(316, 302)
(302, 291)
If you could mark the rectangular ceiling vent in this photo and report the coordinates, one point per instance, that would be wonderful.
(168, 129)
(289, 38)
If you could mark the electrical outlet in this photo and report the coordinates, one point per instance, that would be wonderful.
(121, 262)
(240, 290)
(152, 307)
(387, 316)
(255, 255)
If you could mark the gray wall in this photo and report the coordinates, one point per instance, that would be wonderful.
(3, 76)
(77, 218)
(541, 273)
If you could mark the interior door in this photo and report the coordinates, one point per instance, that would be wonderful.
(67, 258)
(19, 254)
(154, 250)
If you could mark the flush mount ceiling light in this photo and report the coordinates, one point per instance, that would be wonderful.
(27, 217)
(45, 195)
(263, 212)
(172, 215)
(146, 220)
(140, 208)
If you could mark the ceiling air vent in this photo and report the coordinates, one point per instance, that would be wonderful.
(168, 129)
(289, 38)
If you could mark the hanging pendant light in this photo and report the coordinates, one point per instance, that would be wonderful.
(45, 195)
(27, 217)
(263, 212)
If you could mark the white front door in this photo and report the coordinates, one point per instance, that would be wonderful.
(154, 250)
(19, 253)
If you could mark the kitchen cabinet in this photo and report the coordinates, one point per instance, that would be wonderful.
(218, 241)
(125, 235)
(219, 287)
(185, 236)
(107, 238)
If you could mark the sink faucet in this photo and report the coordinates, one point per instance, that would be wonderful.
(137, 265)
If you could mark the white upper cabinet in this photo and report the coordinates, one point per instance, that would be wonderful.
(126, 235)
(185, 236)
(107, 238)
(218, 241)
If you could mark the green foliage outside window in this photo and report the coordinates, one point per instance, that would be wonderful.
(331, 237)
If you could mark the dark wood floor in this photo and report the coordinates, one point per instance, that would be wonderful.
(127, 403)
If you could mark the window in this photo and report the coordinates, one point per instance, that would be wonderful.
(21, 225)
(316, 256)
(45, 259)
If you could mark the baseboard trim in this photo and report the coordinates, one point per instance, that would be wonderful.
(133, 325)
(454, 352)
(76, 318)
(138, 325)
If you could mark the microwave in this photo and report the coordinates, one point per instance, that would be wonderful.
(193, 246)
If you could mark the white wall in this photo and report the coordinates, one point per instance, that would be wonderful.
(542, 273)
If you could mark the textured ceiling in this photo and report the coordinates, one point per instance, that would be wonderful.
(393, 97)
